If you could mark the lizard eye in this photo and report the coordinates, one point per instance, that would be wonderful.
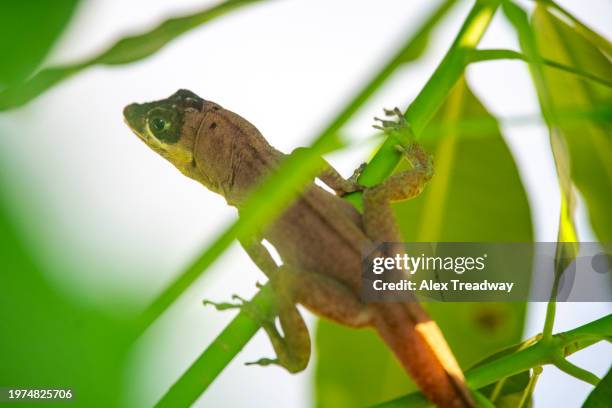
(162, 125)
(158, 124)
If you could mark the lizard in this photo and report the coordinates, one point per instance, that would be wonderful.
(319, 237)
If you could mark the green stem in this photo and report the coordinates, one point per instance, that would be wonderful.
(218, 354)
(551, 308)
(497, 54)
(500, 384)
(530, 387)
(481, 400)
(575, 371)
(433, 94)
(539, 354)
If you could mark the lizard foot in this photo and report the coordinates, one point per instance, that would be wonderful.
(244, 305)
(263, 362)
(396, 127)
(251, 309)
(417, 157)
(351, 185)
(226, 305)
(355, 176)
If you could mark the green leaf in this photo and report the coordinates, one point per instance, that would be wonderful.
(588, 143)
(125, 51)
(601, 395)
(35, 24)
(583, 30)
(567, 237)
(476, 195)
(49, 340)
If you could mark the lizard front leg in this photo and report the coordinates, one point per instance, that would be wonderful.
(334, 180)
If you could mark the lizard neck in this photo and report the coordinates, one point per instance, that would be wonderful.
(249, 169)
(231, 155)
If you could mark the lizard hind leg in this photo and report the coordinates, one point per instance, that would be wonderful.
(293, 349)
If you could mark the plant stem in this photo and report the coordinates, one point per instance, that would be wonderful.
(551, 308)
(433, 94)
(218, 354)
(536, 355)
(497, 54)
(483, 401)
(575, 371)
(500, 384)
(530, 387)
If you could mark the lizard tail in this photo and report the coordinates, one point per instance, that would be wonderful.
(420, 347)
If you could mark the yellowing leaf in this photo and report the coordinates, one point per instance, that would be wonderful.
(588, 143)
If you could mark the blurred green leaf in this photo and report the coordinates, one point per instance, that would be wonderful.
(601, 395)
(567, 236)
(28, 29)
(49, 341)
(476, 195)
(583, 30)
(420, 41)
(124, 51)
(589, 145)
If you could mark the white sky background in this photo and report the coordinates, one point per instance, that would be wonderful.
(287, 67)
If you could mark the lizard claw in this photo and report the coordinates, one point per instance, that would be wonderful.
(263, 362)
(246, 306)
(220, 306)
(240, 304)
(416, 156)
(355, 176)
(394, 112)
(394, 127)
(351, 184)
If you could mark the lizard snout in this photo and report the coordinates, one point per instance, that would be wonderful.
(134, 116)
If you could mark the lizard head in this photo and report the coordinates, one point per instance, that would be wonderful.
(168, 126)
(206, 142)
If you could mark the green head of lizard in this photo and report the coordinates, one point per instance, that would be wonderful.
(166, 126)
(206, 142)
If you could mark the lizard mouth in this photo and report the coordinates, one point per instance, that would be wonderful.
(133, 116)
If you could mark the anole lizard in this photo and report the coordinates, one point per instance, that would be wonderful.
(319, 238)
